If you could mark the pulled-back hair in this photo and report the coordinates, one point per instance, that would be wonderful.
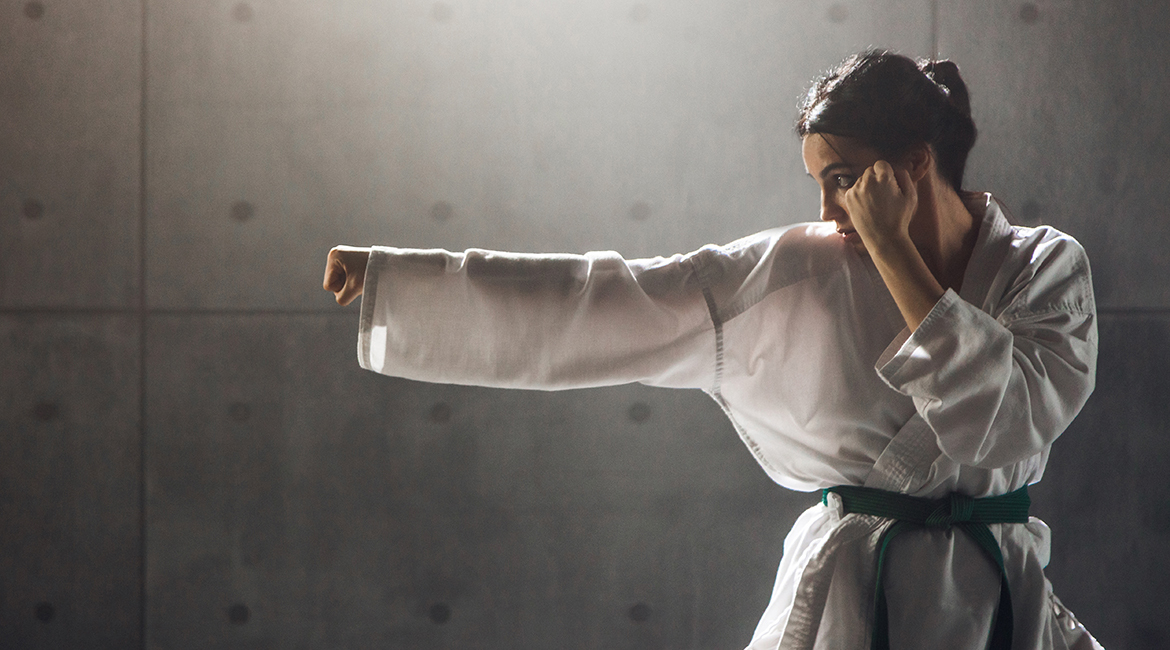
(892, 104)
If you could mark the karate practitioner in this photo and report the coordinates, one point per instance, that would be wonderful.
(912, 355)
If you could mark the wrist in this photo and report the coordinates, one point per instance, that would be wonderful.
(891, 244)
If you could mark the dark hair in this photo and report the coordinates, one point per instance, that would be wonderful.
(892, 103)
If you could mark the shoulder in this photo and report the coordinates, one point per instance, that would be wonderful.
(1049, 269)
(1045, 244)
(796, 250)
(740, 274)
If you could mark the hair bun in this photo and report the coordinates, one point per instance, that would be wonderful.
(946, 74)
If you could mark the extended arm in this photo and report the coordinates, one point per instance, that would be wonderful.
(532, 321)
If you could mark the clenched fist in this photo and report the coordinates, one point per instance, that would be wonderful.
(345, 272)
(881, 204)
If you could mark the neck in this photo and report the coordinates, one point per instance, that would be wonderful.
(943, 231)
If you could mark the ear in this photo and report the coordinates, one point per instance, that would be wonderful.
(919, 161)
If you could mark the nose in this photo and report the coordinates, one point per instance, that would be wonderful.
(831, 210)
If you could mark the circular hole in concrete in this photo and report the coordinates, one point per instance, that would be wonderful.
(239, 411)
(639, 412)
(442, 211)
(45, 612)
(46, 411)
(33, 209)
(1029, 13)
(239, 614)
(242, 211)
(34, 10)
(439, 613)
(440, 413)
(243, 12)
(639, 613)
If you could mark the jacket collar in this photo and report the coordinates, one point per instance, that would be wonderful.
(991, 247)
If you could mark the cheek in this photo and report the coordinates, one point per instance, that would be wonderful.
(834, 196)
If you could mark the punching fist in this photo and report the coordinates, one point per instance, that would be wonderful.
(345, 272)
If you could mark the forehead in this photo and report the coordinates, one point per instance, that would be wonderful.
(820, 150)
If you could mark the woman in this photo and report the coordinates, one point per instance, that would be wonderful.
(912, 355)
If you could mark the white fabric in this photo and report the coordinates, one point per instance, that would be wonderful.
(796, 337)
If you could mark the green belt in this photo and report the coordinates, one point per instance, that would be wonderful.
(968, 514)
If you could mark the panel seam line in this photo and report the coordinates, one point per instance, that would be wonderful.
(143, 312)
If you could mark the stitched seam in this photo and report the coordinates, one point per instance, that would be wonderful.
(1019, 315)
(366, 315)
(717, 381)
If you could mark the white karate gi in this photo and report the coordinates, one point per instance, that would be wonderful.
(797, 338)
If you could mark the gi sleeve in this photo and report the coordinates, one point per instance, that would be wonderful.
(999, 389)
(535, 321)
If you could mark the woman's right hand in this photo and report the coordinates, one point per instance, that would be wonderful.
(345, 272)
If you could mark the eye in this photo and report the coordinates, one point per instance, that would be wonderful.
(843, 181)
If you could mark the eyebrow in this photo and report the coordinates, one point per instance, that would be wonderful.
(832, 167)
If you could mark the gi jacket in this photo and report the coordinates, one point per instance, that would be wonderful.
(796, 337)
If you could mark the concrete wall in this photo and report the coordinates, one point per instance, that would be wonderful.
(190, 456)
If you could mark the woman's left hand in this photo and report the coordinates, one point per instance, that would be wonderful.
(880, 205)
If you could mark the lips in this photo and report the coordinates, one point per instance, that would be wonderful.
(849, 235)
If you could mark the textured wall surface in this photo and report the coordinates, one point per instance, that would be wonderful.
(190, 457)
(1070, 97)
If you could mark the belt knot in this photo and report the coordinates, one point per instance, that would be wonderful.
(969, 515)
(956, 510)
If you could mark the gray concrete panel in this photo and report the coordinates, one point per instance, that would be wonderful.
(1071, 100)
(296, 501)
(1105, 496)
(281, 128)
(70, 94)
(70, 552)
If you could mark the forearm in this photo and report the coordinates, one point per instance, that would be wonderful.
(909, 280)
(995, 393)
